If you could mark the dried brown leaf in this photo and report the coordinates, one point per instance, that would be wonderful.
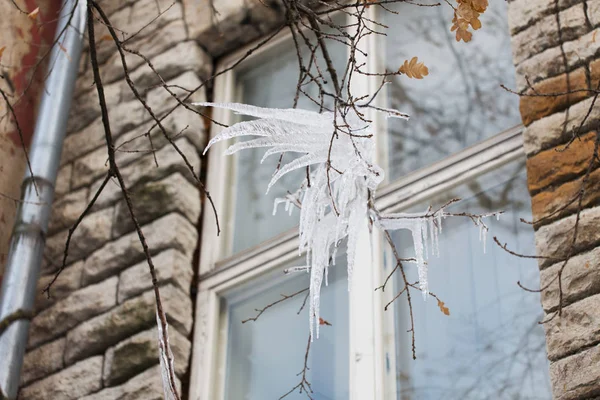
(414, 69)
(34, 14)
(2, 51)
(443, 307)
(324, 322)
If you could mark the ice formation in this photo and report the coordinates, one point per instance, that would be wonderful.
(167, 369)
(335, 203)
(422, 227)
(334, 206)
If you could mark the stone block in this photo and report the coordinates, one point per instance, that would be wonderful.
(145, 386)
(593, 12)
(71, 383)
(523, 13)
(172, 266)
(183, 57)
(43, 361)
(137, 314)
(555, 240)
(144, 169)
(578, 327)
(578, 376)
(550, 62)
(93, 231)
(111, 6)
(86, 109)
(551, 167)
(136, 144)
(137, 353)
(63, 180)
(155, 199)
(143, 18)
(170, 231)
(551, 131)
(68, 281)
(237, 22)
(149, 47)
(534, 105)
(549, 204)
(81, 305)
(66, 210)
(185, 123)
(544, 34)
(160, 100)
(580, 279)
(90, 164)
(79, 143)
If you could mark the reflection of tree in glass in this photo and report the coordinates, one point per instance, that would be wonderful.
(460, 102)
(491, 346)
(501, 367)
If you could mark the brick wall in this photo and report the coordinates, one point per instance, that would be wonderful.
(556, 173)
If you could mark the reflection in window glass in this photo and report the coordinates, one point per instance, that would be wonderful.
(265, 356)
(491, 346)
(271, 84)
(460, 102)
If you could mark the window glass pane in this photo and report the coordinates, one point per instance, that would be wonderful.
(265, 356)
(491, 345)
(271, 84)
(460, 102)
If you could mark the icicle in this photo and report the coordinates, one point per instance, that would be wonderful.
(484, 238)
(421, 264)
(303, 268)
(424, 227)
(167, 369)
(432, 234)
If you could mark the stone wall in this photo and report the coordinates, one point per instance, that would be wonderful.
(95, 338)
(556, 173)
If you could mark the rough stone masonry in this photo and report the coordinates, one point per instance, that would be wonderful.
(555, 50)
(95, 338)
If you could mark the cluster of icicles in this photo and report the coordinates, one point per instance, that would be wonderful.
(334, 206)
(427, 225)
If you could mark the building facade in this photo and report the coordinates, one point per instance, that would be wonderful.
(95, 338)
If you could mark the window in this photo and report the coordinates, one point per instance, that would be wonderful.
(468, 147)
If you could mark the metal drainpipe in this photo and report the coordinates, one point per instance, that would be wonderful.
(29, 233)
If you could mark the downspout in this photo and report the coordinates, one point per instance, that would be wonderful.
(37, 192)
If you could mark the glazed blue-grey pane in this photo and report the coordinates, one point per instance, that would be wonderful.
(265, 356)
(460, 102)
(491, 345)
(272, 84)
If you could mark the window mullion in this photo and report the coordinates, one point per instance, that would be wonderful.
(367, 358)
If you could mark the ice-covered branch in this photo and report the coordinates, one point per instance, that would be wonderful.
(426, 227)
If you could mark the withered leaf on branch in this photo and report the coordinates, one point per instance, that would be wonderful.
(414, 69)
(443, 307)
(324, 322)
(34, 14)
(467, 13)
(2, 51)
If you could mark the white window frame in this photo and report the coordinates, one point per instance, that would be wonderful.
(371, 330)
